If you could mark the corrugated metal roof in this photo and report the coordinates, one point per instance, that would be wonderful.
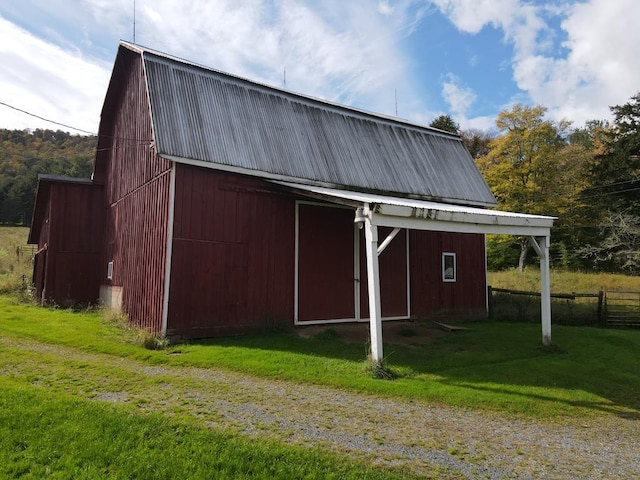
(208, 116)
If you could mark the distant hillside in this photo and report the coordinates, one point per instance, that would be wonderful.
(26, 153)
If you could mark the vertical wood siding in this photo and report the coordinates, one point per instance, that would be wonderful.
(393, 275)
(429, 294)
(325, 263)
(232, 265)
(137, 195)
(68, 271)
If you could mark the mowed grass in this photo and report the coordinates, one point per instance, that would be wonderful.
(492, 366)
(563, 281)
(56, 436)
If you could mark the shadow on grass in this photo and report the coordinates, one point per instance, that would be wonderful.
(492, 359)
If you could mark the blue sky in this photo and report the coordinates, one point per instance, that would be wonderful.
(466, 58)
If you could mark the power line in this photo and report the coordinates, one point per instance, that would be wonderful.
(46, 119)
(606, 185)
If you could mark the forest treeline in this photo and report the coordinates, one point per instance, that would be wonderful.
(26, 153)
(588, 176)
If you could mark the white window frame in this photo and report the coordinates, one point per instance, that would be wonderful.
(446, 277)
(110, 270)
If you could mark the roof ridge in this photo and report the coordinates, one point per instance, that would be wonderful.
(142, 50)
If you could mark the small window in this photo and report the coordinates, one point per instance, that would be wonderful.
(449, 273)
(110, 270)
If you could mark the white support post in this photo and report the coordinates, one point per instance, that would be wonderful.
(373, 281)
(541, 246)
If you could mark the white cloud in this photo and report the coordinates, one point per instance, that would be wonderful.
(48, 81)
(348, 52)
(342, 51)
(599, 65)
(601, 68)
(458, 97)
(384, 8)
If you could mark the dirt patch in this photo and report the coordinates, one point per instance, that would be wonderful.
(393, 332)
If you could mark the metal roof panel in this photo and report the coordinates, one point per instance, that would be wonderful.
(208, 116)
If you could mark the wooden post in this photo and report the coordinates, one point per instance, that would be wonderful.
(600, 305)
(545, 291)
(541, 246)
(373, 281)
(490, 300)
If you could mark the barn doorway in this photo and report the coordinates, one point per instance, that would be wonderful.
(331, 275)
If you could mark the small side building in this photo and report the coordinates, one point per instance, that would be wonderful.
(68, 227)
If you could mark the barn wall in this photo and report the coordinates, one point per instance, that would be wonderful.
(232, 266)
(392, 267)
(67, 271)
(136, 197)
(429, 294)
(325, 263)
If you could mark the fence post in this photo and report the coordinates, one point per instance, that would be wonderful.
(490, 301)
(600, 305)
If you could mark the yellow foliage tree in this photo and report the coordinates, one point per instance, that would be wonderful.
(523, 166)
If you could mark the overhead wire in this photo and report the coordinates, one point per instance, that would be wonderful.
(46, 119)
(125, 139)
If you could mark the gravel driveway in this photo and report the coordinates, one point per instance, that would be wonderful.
(430, 440)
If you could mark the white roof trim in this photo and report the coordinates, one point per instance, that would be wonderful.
(426, 215)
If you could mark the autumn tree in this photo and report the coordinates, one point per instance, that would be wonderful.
(522, 165)
(24, 154)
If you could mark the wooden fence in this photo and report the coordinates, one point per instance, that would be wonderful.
(622, 308)
(26, 251)
(567, 308)
(606, 307)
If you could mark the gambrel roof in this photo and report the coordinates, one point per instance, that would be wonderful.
(213, 119)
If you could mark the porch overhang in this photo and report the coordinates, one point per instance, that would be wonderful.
(375, 210)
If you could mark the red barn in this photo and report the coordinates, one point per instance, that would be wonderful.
(225, 206)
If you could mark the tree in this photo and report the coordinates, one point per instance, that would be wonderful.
(446, 123)
(522, 167)
(24, 154)
(615, 172)
(477, 141)
(620, 246)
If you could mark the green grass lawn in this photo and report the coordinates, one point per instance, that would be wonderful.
(48, 429)
(495, 365)
(55, 436)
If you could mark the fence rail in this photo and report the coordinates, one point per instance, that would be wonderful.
(622, 308)
(26, 251)
(612, 308)
(568, 308)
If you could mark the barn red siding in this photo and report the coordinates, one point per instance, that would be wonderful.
(429, 294)
(137, 197)
(325, 263)
(232, 265)
(66, 270)
(392, 267)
